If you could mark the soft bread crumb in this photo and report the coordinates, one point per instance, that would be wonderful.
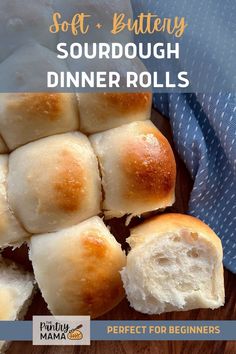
(173, 272)
(16, 292)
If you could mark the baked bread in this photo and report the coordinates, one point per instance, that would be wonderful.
(25, 117)
(77, 269)
(54, 182)
(11, 232)
(138, 169)
(175, 264)
(16, 291)
(103, 111)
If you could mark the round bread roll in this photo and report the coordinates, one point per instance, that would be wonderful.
(11, 232)
(25, 117)
(3, 146)
(138, 169)
(103, 111)
(175, 264)
(78, 269)
(54, 182)
(106, 110)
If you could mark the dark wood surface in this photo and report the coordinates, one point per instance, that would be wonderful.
(124, 312)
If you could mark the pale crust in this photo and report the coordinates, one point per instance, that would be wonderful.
(66, 186)
(166, 223)
(58, 179)
(83, 272)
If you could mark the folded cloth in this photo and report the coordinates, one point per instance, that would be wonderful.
(204, 130)
(204, 125)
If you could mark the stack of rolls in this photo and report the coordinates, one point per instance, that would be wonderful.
(64, 173)
(68, 163)
(58, 178)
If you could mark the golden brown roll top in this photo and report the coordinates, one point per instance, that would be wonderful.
(103, 111)
(25, 117)
(77, 269)
(138, 169)
(54, 182)
(170, 223)
(11, 231)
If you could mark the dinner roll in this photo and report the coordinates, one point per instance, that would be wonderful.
(175, 264)
(77, 269)
(3, 146)
(11, 232)
(138, 169)
(54, 182)
(102, 111)
(16, 291)
(25, 117)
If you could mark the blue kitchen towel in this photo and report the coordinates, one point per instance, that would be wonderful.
(204, 130)
(204, 124)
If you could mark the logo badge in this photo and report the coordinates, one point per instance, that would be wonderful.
(75, 334)
(61, 330)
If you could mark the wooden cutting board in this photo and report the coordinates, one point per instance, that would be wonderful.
(124, 312)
